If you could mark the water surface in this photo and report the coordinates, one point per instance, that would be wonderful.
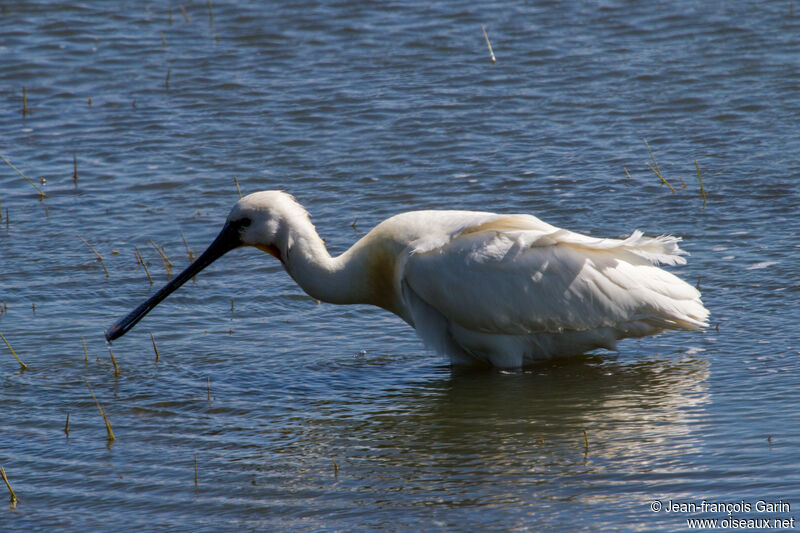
(336, 418)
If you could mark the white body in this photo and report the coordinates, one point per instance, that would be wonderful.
(507, 290)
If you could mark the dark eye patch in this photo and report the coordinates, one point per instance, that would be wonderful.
(244, 222)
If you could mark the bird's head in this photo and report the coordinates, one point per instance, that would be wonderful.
(262, 219)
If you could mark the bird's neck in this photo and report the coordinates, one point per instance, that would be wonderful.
(339, 280)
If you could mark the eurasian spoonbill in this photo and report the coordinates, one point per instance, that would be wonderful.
(479, 287)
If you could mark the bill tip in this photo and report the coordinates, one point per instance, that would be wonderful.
(112, 332)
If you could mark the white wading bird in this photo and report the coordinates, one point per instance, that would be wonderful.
(480, 287)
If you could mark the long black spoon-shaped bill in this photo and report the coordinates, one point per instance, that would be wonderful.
(227, 240)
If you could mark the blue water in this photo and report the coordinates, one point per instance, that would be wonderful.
(312, 417)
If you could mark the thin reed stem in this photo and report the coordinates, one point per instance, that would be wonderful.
(42, 195)
(10, 490)
(96, 253)
(22, 365)
(488, 44)
(102, 411)
(702, 190)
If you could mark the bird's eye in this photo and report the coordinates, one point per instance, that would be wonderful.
(244, 222)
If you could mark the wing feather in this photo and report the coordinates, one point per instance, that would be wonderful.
(517, 275)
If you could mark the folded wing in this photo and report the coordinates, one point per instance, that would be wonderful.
(516, 275)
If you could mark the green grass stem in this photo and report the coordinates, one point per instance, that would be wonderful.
(155, 348)
(22, 365)
(10, 490)
(702, 190)
(96, 253)
(655, 169)
(42, 195)
(102, 411)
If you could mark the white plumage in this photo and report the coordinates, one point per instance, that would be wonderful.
(507, 290)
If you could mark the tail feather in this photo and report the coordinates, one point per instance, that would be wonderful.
(656, 250)
(663, 249)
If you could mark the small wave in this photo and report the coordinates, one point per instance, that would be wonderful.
(762, 264)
